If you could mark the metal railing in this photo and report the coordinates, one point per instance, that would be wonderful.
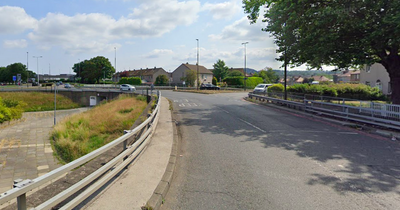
(95, 180)
(384, 115)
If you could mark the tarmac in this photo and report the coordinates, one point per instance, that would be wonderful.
(25, 149)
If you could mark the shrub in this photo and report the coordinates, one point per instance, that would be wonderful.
(214, 81)
(234, 81)
(276, 88)
(11, 109)
(130, 80)
(253, 81)
(161, 80)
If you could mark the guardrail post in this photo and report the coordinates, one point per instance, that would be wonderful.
(21, 200)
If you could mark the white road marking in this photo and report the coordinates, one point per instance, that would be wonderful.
(186, 100)
(350, 133)
(252, 125)
(176, 101)
(181, 104)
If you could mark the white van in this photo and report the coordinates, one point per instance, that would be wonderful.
(261, 88)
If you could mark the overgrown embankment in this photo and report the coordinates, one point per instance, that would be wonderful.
(83, 133)
(38, 101)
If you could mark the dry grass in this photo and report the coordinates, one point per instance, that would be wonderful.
(37, 101)
(83, 133)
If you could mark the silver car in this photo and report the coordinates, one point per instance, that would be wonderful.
(126, 87)
(261, 88)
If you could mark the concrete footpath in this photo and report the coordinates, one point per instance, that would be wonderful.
(25, 149)
(134, 187)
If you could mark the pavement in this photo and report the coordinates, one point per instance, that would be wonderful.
(25, 149)
(146, 181)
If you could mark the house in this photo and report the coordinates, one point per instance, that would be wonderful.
(376, 76)
(320, 78)
(148, 76)
(352, 76)
(205, 75)
(355, 76)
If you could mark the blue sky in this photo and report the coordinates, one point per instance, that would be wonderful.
(159, 33)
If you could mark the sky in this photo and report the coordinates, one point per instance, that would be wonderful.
(135, 33)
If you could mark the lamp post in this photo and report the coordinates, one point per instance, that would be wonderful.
(245, 72)
(27, 68)
(115, 59)
(79, 69)
(197, 65)
(37, 62)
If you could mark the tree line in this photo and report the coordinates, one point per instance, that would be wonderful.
(7, 73)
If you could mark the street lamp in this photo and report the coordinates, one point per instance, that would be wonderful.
(115, 59)
(197, 64)
(245, 72)
(37, 62)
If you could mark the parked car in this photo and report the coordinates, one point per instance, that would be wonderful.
(67, 85)
(261, 88)
(209, 87)
(127, 87)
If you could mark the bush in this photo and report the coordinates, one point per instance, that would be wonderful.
(276, 88)
(234, 81)
(253, 81)
(11, 109)
(161, 80)
(214, 81)
(130, 80)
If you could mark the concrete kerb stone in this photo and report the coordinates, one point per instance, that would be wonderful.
(157, 199)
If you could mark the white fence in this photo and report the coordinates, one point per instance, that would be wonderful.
(96, 179)
(384, 115)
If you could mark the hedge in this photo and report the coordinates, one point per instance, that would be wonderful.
(251, 82)
(355, 91)
(130, 80)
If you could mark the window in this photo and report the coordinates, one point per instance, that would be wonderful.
(389, 88)
(368, 83)
(368, 68)
(378, 84)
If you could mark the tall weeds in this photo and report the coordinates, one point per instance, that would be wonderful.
(85, 132)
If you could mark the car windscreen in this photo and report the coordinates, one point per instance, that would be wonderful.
(260, 86)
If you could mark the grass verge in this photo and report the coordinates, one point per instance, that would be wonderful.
(81, 134)
(37, 101)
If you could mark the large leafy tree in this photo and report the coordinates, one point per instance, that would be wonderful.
(340, 33)
(161, 80)
(94, 70)
(7, 73)
(268, 75)
(220, 70)
(190, 77)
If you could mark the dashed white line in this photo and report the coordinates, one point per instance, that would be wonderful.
(253, 125)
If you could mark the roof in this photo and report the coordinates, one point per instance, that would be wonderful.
(144, 72)
(320, 78)
(202, 69)
(356, 72)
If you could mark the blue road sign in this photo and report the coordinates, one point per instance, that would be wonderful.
(14, 78)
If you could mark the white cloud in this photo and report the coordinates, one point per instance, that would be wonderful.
(14, 20)
(93, 32)
(19, 43)
(242, 30)
(225, 10)
(156, 53)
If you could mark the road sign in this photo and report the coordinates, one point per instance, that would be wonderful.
(18, 77)
(14, 78)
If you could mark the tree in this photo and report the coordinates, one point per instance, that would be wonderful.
(342, 33)
(220, 70)
(268, 75)
(161, 80)
(235, 73)
(93, 70)
(190, 77)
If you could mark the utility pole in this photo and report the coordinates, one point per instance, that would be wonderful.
(197, 65)
(37, 62)
(245, 70)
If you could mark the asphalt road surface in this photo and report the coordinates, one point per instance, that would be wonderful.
(240, 155)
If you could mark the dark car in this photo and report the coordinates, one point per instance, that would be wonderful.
(209, 87)
(67, 85)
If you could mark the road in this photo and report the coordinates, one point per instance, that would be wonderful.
(240, 155)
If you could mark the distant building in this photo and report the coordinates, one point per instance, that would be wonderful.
(205, 75)
(376, 76)
(148, 76)
(59, 77)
